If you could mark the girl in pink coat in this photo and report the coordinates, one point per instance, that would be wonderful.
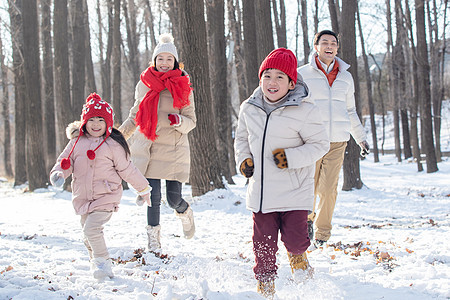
(98, 158)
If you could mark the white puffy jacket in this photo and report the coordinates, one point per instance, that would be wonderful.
(296, 127)
(336, 103)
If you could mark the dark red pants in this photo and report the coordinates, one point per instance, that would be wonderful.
(294, 234)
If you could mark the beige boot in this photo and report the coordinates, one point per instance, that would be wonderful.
(266, 289)
(187, 220)
(154, 239)
(300, 267)
(101, 268)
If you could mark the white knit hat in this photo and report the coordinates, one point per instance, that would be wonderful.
(165, 45)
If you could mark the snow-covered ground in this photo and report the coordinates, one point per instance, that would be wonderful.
(390, 240)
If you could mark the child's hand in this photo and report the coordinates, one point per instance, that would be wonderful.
(247, 168)
(279, 156)
(146, 198)
(174, 119)
(57, 179)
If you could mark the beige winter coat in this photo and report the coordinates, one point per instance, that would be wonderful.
(97, 183)
(168, 157)
(296, 127)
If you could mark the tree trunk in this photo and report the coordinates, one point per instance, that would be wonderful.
(436, 56)
(215, 11)
(424, 88)
(304, 18)
(369, 91)
(116, 68)
(20, 170)
(264, 31)
(62, 72)
(280, 23)
(391, 84)
(5, 114)
(399, 65)
(415, 91)
(352, 177)
(316, 15)
(132, 40)
(236, 36)
(78, 57)
(333, 16)
(90, 75)
(205, 170)
(37, 176)
(106, 61)
(49, 99)
(250, 46)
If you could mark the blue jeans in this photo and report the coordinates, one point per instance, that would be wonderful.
(173, 193)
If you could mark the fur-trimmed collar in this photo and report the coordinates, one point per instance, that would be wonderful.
(73, 130)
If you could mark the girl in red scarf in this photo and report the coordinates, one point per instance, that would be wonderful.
(164, 114)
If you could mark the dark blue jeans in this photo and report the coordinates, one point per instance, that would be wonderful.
(173, 193)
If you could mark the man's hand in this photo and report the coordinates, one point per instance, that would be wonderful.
(365, 150)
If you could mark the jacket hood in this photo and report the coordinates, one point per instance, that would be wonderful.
(298, 94)
(73, 130)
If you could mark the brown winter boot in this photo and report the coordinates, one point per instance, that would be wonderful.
(266, 289)
(300, 267)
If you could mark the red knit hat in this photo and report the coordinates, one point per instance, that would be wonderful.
(283, 60)
(94, 107)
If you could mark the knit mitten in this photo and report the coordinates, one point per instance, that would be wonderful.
(247, 168)
(279, 156)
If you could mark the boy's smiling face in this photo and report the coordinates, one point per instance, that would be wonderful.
(275, 84)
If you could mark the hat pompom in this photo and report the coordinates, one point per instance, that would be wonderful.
(166, 38)
(94, 96)
(65, 163)
(91, 154)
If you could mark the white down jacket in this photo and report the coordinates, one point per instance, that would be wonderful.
(295, 126)
(336, 103)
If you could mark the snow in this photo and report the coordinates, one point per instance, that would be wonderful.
(390, 240)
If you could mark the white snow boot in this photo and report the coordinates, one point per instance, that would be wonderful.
(154, 239)
(101, 268)
(187, 220)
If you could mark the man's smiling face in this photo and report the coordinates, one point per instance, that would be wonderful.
(327, 48)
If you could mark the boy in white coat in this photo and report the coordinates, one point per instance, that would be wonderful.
(279, 137)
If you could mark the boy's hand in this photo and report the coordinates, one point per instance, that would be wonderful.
(57, 179)
(247, 168)
(279, 156)
(364, 149)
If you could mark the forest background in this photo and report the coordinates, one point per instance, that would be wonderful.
(54, 53)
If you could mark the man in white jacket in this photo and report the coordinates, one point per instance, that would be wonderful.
(332, 88)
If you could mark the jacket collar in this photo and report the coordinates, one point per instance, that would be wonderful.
(343, 66)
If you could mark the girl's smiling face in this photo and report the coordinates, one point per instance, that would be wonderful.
(275, 84)
(96, 126)
(165, 62)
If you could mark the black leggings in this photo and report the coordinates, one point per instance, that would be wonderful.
(173, 194)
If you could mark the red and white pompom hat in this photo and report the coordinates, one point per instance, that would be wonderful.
(94, 107)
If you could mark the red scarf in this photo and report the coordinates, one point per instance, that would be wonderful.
(178, 86)
(332, 75)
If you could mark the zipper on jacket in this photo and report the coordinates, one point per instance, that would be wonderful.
(262, 160)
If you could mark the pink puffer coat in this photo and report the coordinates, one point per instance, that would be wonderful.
(97, 184)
